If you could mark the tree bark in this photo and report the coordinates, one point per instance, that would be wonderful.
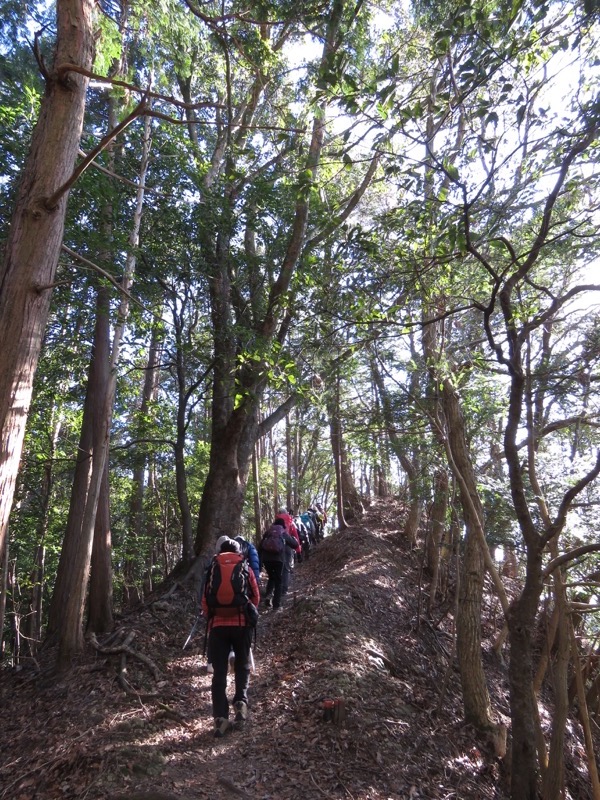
(438, 524)
(100, 602)
(36, 233)
(90, 441)
(476, 697)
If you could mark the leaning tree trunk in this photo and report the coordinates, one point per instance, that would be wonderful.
(36, 233)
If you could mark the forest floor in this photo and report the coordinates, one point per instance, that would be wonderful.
(354, 627)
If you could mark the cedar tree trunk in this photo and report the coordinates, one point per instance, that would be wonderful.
(36, 233)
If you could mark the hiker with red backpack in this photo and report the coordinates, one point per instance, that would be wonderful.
(272, 551)
(230, 602)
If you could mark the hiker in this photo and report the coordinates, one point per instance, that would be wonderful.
(317, 517)
(250, 552)
(229, 590)
(311, 526)
(272, 551)
(322, 514)
(305, 542)
(287, 515)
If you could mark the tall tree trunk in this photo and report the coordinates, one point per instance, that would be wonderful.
(258, 526)
(476, 697)
(409, 465)
(36, 233)
(234, 421)
(90, 441)
(335, 427)
(184, 392)
(74, 587)
(351, 503)
(100, 615)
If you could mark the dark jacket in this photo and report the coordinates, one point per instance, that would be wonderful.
(289, 542)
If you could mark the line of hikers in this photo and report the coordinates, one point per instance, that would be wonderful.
(232, 594)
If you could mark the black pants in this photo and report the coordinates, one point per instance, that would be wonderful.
(275, 573)
(222, 639)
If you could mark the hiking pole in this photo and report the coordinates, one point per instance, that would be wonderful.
(192, 632)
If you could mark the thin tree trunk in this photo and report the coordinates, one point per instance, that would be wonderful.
(289, 481)
(584, 717)
(149, 389)
(35, 235)
(34, 622)
(258, 526)
(438, 524)
(3, 591)
(476, 697)
(184, 392)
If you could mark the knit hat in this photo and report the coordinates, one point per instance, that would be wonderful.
(232, 545)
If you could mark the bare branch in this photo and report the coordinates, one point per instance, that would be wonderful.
(63, 69)
(570, 555)
(51, 202)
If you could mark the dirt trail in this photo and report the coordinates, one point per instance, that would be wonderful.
(351, 628)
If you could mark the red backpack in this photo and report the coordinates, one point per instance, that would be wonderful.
(227, 584)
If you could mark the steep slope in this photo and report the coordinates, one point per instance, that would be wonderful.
(352, 630)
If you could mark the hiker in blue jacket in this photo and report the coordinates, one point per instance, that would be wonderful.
(250, 552)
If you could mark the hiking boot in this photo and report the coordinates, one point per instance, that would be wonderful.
(268, 601)
(222, 726)
(279, 608)
(241, 714)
